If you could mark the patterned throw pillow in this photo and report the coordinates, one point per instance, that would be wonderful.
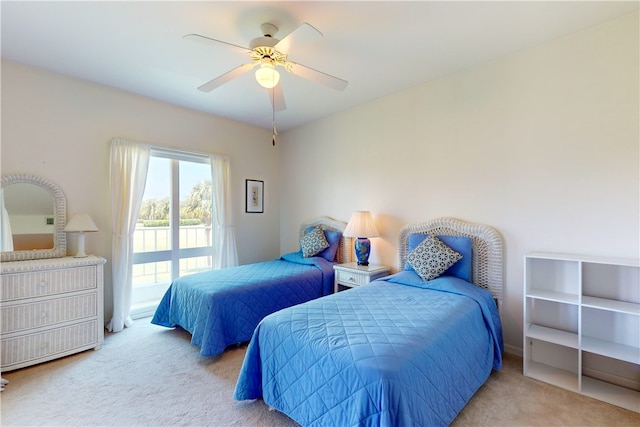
(431, 258)
(460, 244)
(333, 238)
(313, 242)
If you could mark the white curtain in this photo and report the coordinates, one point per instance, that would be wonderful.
(225, 252)
(6, 238)
(129, 165)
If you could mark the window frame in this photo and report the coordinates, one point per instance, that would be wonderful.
(175, 254)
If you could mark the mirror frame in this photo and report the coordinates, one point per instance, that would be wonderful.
(59, 249)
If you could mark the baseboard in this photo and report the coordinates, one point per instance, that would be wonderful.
(142, 312)
(513, 350)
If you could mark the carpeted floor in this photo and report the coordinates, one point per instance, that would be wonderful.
(152, 376)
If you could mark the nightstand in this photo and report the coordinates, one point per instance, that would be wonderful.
(351, 274)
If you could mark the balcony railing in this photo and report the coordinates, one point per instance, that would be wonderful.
(152, 279)
(158, 239)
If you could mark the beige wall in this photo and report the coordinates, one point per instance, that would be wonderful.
(61, 128)
(542, 145)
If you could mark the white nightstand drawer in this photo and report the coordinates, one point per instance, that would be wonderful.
(353, 277)
(351, 274)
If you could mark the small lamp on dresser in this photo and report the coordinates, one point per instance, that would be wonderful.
(362, 227)
(80, 223)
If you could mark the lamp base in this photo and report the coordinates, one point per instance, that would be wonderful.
(80, 252)
(363, 249)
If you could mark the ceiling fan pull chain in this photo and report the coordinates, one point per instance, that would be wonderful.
(273, 116)
(275, 132)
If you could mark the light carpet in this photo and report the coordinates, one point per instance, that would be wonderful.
(152, 376)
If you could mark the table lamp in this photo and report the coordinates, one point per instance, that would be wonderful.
(361, 225)
(80, 223)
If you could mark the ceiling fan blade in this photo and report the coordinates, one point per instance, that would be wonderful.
(277, 98)
(303, 34)
(217, 43)
(226, 77)
(316, 76)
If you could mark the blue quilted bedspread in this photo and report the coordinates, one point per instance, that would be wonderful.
(396, 352)
(223, 307)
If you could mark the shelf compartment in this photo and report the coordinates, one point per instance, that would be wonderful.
(551, 314)
(555, 336)
(611, 349)
(556, 364)
(552, 375)
(611, 333)
(553, 275)
(620, 282)
(611, 393)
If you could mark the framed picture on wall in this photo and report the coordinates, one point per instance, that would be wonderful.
(255, 196)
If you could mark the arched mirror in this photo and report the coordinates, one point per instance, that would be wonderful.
(33, 213)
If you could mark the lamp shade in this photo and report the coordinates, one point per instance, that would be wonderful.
(80, 222)
(361, 225)
(267, 76)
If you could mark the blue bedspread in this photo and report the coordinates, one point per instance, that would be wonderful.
(386, 354)
(223, 307)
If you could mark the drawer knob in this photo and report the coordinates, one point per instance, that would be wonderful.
(352, 279)
(43, 314)
(43, 283)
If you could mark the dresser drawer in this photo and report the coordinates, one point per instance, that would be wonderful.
(21, 317)
(352, 277)
(29, 349)
(42, 283)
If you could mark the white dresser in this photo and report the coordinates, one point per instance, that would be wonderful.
(50, 308)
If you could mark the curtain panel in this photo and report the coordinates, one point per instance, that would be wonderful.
(128, 170)
(6, 235)
(225, 251)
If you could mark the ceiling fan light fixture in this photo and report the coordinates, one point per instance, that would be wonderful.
(267, 75)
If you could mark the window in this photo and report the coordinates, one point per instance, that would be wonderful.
(173, 234)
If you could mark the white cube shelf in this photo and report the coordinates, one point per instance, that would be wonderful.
(582, 325)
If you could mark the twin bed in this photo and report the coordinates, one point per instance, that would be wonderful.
(408, 349)
(398, 351)
(223, 307)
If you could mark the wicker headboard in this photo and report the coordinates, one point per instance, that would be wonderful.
(487, 271)
(344, 250)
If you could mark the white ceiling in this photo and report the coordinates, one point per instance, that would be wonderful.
(378, 47)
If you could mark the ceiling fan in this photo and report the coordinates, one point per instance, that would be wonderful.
(269, 54)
